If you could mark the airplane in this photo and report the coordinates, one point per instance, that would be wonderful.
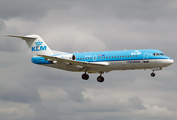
(95, 62)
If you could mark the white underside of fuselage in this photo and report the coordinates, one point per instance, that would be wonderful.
(115, 65)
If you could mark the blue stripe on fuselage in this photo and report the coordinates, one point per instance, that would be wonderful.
(106, 56)
(119, 55)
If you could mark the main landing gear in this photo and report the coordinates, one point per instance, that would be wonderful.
(85, 76)
(100, 78)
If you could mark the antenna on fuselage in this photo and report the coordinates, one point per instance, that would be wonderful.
(124, 49)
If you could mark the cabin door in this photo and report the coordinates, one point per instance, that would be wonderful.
(145, 58)
(94, 57)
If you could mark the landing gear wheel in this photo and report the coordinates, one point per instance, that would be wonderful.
(100, 79)
(85, 76)
(152, 74)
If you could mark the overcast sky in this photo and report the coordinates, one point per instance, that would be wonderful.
(32, 92)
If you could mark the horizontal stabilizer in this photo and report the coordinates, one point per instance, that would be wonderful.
(22, 37)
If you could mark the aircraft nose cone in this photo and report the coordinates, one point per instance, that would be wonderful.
(170, 61)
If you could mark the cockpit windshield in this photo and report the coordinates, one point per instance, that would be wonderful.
(156, 54)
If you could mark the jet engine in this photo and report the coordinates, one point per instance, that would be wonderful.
(68, 56)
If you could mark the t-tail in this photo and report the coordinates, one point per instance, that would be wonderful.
(36, 44)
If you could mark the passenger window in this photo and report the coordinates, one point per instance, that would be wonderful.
(122, 56)
(106, 57)
(117, 56)
(125, 56)
(154, 54)
(114, 56)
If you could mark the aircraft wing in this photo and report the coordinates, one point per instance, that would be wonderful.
(73, 62)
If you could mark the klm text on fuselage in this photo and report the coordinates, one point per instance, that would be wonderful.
(38, 48)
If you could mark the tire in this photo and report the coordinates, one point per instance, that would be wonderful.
(85, 76)
(100, 79)
(152, 74)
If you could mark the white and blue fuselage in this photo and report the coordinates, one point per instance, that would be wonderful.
(114, 60)
(95, 62)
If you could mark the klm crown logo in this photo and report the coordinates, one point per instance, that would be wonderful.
(38, 43)
(39, 47)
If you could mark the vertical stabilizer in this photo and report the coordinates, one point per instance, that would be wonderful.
(36, 44)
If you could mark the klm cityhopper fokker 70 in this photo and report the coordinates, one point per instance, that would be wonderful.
(95, 62)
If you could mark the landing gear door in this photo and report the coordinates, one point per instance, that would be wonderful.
(145, 58)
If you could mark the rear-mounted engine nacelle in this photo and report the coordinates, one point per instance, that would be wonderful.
(68, 56)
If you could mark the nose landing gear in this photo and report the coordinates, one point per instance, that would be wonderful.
(153, 74)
